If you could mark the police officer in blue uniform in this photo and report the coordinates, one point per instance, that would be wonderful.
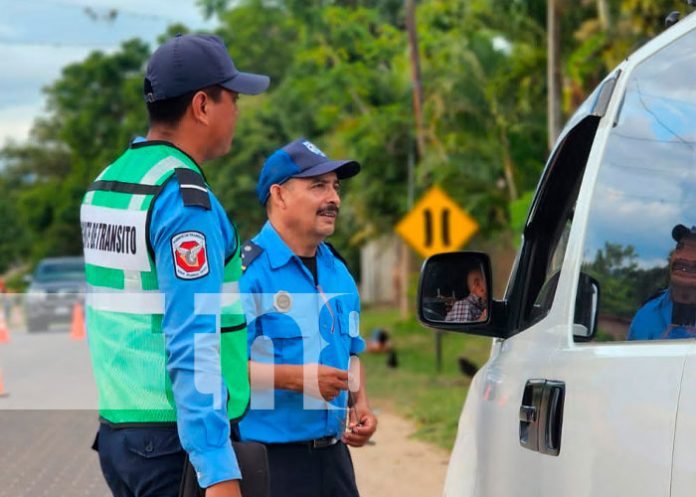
(671, 314)
(308, 400)
(191, 89)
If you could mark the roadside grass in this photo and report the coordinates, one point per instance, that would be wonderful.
(414, 388)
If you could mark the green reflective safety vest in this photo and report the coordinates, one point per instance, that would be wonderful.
(124, 306)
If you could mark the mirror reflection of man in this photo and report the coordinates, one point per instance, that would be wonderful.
(473, 306)
(672, 312)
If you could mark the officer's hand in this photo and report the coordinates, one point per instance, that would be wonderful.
(324, 381)
(228, 488)
(362, 424)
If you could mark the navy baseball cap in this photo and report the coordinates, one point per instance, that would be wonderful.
(189, 63)
(300, 159)
(680, 231)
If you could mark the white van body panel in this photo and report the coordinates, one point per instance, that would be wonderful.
(684, 461)
(629, 420)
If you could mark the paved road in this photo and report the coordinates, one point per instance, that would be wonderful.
(48, 420)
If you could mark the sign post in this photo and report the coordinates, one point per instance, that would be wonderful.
(436, 224)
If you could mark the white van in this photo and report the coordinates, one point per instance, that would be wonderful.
(567, 405)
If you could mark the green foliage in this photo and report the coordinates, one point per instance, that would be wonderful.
(596, 48)
(341, 75)
(624, 285)
(94, 109)
(518, 213)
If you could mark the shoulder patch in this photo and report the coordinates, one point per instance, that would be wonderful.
(337, 255)
(250, 251)
(193, 189)
(190, 255)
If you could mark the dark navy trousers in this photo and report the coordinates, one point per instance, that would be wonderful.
(300, 471)
(141, 462)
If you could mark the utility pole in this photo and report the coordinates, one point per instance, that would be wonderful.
(417, 88)
(553, 70)
(603, 14)
(417, 98)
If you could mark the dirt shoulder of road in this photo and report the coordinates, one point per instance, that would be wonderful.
(397, 464)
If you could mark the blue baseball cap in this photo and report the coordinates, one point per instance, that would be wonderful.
(300, 159)
(189, 63)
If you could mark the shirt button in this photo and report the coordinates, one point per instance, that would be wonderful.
(149, 447)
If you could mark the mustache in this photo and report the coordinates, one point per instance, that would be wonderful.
(329, 209)
(684, 265)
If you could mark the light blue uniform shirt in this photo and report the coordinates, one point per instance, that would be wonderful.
(193, 341)
(291, 320)
(653, 321)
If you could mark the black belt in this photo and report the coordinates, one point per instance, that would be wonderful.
(317, 443)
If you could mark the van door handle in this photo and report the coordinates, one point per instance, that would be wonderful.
(529, 414)
(541, 416)
(552, 407)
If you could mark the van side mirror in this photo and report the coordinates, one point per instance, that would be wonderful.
(455, 289)
(586, 309)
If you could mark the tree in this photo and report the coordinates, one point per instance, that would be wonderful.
(624, 285)
(95, 108)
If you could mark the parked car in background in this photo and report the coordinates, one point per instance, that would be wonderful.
(54, 288)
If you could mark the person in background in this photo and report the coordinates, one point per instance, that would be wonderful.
(473, 306)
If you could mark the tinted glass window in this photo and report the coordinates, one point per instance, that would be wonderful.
(60, 271)
(547, 230)
(645, 189)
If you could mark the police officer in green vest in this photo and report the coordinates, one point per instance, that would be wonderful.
(166, 331)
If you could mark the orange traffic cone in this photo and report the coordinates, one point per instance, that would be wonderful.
(77, 328)
(4, 330)
(3, 393)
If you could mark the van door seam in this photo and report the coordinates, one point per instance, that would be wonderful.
(676, 419)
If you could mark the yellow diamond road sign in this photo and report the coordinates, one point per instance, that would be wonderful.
(436, 224)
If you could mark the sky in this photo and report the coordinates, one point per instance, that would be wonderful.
(39, 37)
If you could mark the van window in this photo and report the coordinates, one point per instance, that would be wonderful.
(638, 243)
(547, 231)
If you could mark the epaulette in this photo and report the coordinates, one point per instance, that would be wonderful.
(193, 189)
(250, 251)
(654, 296)
(337, 255)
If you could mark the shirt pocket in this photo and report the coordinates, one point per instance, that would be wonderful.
(281, 337)
(348, 319)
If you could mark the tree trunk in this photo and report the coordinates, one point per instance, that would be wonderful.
(415, 76)
(603, 14)
(553, 70)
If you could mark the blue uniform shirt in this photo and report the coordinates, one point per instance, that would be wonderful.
(291, 320)
(653, 321)
(192, 340)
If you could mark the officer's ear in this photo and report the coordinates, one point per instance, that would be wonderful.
(277, 196)
(199, 107)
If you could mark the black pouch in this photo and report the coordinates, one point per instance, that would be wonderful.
(253, 463)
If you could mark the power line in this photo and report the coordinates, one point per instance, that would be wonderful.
(107, 13)
(97, 14)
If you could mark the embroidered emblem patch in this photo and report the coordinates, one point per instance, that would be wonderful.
(190, 257)
(313, 148)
